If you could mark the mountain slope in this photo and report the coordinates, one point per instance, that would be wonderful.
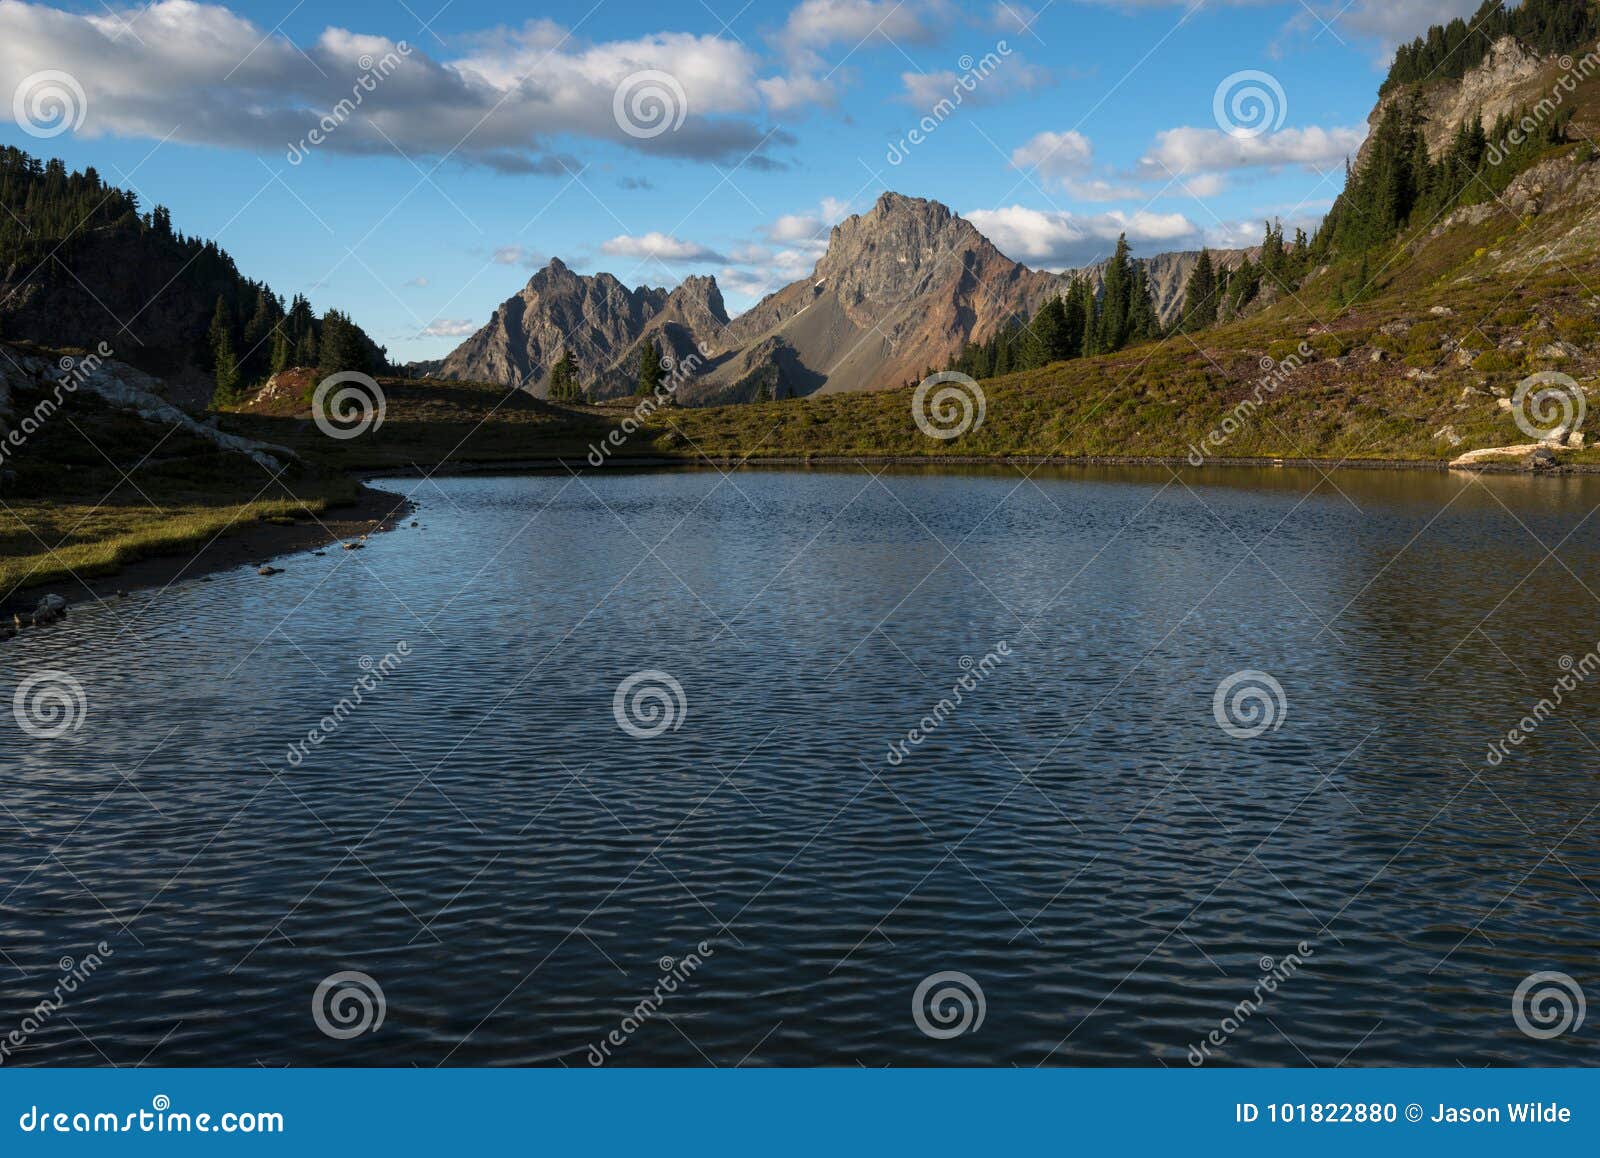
(900, 289)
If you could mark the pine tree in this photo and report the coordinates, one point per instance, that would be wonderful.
(282, 352)
(649, 369)
(1076, 303)
(340, 347)
(220, 333)
(1200, 295)
(564, 386)
(1143, 323)
(1048, 333)
(1115, 298)
(257, 331)
(224, 362)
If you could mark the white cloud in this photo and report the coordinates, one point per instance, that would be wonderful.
(794, 243)
(416, 283)
(1246, 234)
(810, 227)
(1009, 17)
(818, 23)
(1391, 21)
(789, 92)
(926, 90)
(1099, 189)
(1187, 150)
(1387, 21)
(1067, 154)
(450, 328)
(660, 247)
(851, 26)
(1205, 185)
(160, 70)
(517, 255)
(1060, 240)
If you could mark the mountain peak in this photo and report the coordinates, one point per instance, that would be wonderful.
(892, 202)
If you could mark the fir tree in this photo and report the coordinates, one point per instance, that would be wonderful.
(564, 386)
(224, 362)
(650, 371)
(282, 353)
(220, 333)
(1048, 331)
(1116, 296)
(1143, 322)
(1200, 295)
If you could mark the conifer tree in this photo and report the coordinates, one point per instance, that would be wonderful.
(224, 362)
(649, 369)
(1143, 322)
(1115, 298)
(220, 333)
(282, 353)
(564, 386)
(1048, 331)
(1200, 295)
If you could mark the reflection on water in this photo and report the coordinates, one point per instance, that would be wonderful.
(1077, 836)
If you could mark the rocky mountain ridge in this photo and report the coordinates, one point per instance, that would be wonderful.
(900, 288)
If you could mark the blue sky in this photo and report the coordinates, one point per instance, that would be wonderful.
(493, 139)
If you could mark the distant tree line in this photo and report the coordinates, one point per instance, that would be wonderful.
(239, 353)
(1078, 323)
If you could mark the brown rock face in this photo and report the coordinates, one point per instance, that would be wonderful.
(599, 318)
(900, 289)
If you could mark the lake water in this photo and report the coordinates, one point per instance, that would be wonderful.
(1112, 869)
